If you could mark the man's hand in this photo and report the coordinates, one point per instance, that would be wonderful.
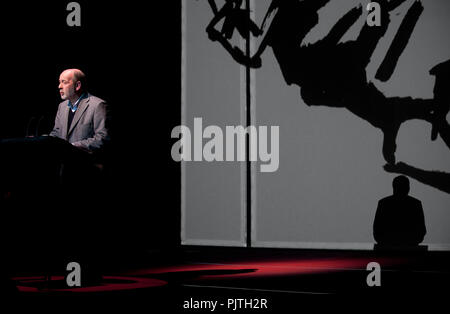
(82, 148)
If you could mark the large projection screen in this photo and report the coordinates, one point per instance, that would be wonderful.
(331, 169)
(331, 176)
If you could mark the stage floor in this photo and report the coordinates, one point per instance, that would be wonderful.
(222, 279)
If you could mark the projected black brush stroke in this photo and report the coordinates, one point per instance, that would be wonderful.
(234, 18)
(333, 73)
(437, 179)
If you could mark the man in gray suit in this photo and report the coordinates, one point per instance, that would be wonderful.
(81, 118)
(82, 121)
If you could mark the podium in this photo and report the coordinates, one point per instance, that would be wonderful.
(40, 147)
(49, 203)
(35, 162)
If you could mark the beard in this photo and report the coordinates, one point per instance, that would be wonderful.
(66, 95)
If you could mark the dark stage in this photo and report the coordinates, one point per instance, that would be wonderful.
(153, 235)
(279, 278)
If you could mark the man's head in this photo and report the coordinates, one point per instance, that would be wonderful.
(72, 83)
(400, 185)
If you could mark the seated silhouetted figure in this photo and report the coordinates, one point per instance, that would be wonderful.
(399, 220)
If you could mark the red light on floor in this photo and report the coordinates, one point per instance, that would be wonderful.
(110, 283)
(271, 267)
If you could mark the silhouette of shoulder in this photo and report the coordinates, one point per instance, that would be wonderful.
(399, 204)
(415, 200)
(395, 197)
(386, 199)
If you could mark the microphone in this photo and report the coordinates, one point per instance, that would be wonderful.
(27, 131)
(36, 133)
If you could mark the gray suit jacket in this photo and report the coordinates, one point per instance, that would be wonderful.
(89, 125)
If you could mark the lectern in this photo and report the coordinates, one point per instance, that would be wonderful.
(48, 201)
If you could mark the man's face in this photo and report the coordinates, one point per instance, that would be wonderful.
(67, 86)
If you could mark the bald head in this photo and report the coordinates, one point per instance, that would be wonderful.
(72, 83)
(76, 75)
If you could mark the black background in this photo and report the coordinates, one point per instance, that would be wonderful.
(131, 54)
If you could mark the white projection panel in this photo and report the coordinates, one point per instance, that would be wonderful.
(213, 203)
(331, 174)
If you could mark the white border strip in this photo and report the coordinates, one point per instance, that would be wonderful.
(315, 245)
(183, 117)
(203, 242)
(337, 245)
